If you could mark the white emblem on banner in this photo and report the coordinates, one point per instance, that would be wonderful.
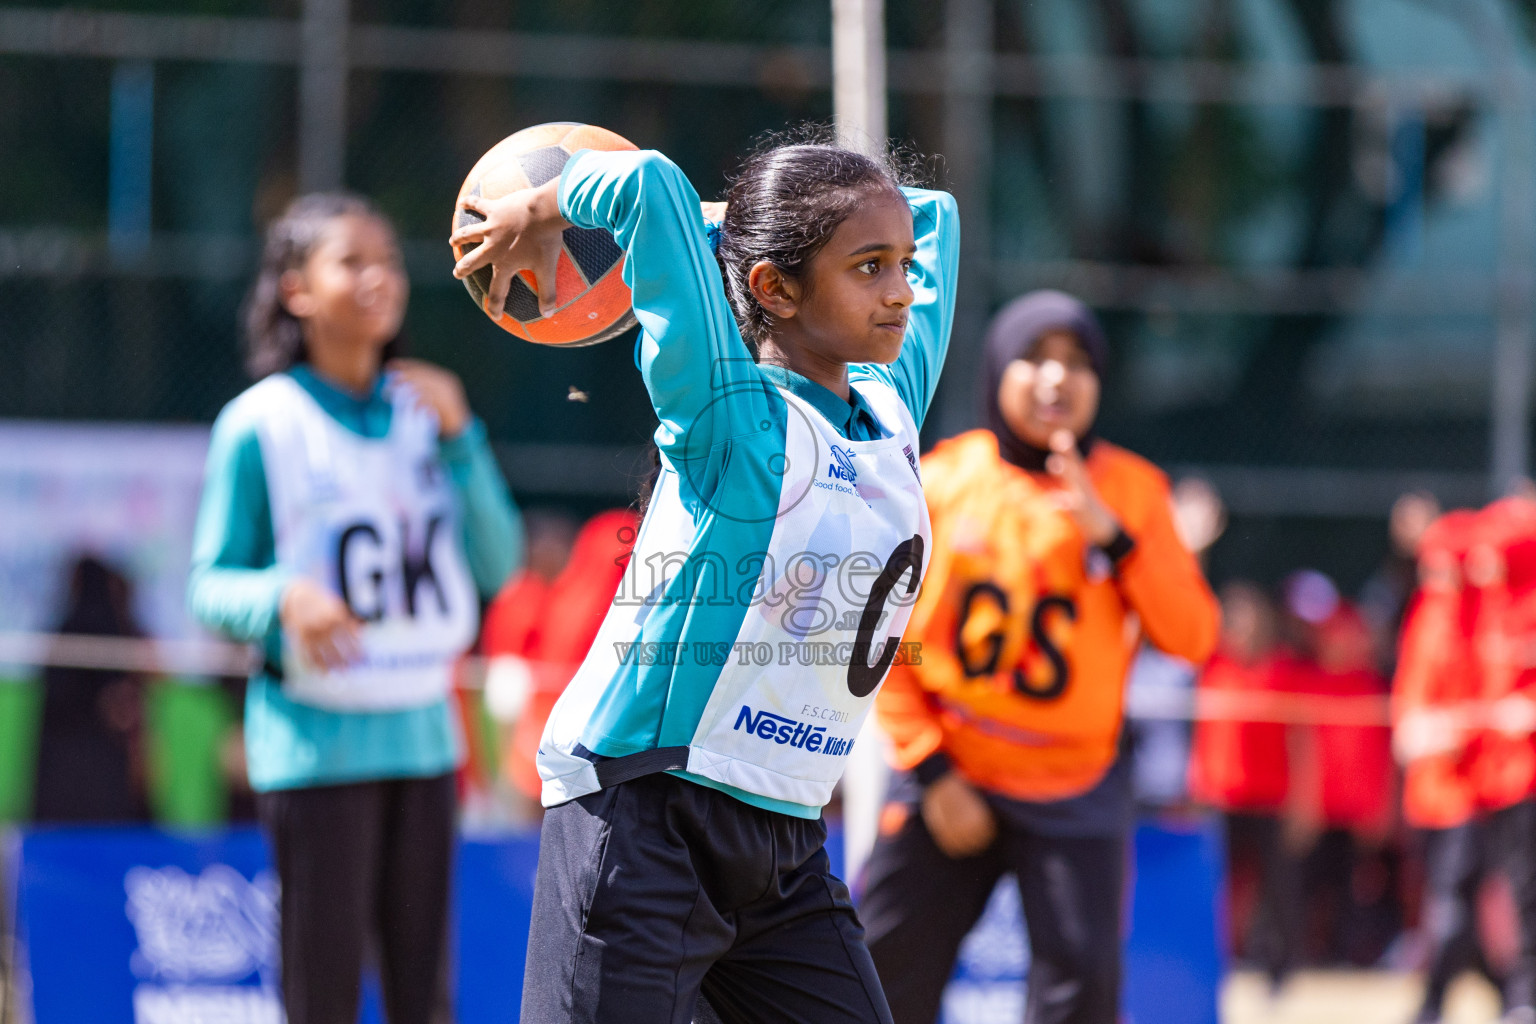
(215, 926)
(197, 935)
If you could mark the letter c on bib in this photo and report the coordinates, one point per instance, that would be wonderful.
(862, 676)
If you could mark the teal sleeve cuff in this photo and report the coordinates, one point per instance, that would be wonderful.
(243, 604)
(563, 191)
(460, 450)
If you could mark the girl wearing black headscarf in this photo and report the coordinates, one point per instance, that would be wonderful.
(1055, 555)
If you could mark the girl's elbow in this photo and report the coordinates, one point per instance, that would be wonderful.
(1191, 636)
(493, 561)
(653, 167)
(1205, 645)
(501, 573)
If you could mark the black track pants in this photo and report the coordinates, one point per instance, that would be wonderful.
(364, 866)
(657, 891)
(921, 903)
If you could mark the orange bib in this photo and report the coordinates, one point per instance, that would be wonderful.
(1025, 636)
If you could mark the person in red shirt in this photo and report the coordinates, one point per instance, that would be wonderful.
(1354, 761)
(1345, 783)
(511, 626)
(1502, 564)
(1241, 767)
(537, 633)
(1437, 676)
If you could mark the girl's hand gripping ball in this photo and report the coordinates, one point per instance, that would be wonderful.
(520, 231)
(535, 275)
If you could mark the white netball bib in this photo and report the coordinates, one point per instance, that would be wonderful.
(792, 638)
(374, 521)
(837, 587)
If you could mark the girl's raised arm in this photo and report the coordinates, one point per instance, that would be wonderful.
(690, 352)
(915, 373)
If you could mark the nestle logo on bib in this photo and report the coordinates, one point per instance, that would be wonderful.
(766, 725)
(841, 465)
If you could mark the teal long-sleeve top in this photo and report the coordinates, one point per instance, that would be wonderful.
(236, 586)
(722, 424)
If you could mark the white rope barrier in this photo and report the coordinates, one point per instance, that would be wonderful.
(1151, 703)
(127, 654)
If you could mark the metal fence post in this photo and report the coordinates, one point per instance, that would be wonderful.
(858, 104)
(323, 95)
(1509, 413)
(858, 74)
(968, 94)
(130, 166)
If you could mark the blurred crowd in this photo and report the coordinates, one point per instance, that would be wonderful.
(1310, 798)
(1356, 746)
(1373, 757)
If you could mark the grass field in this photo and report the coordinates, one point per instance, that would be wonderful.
(1350, 997)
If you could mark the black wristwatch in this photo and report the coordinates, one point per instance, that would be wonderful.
(1119, 546)
(1105, 559)
(931, 768)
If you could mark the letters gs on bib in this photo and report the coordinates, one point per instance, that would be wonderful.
(905, 561)
(371, 566)
(1050, 604)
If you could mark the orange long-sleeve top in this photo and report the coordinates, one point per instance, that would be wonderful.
(1438, 671)
(1026, 633)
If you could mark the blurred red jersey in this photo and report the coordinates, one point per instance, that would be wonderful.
(1240, 765)
(1438, 673)
(1353, 762)
(1502, 562)
(548, 628)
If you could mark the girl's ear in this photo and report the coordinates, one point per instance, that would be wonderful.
(775, 291)
(294, 294)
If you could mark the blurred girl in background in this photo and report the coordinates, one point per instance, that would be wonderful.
(352, 517)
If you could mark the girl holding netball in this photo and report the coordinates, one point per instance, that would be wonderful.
(1055, 554)
(352, 515)
(686, 766)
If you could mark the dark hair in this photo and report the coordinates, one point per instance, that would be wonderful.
(274, 339)
(783, 206)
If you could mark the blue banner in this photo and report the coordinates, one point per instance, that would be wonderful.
(129, 925)
(134, 925)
